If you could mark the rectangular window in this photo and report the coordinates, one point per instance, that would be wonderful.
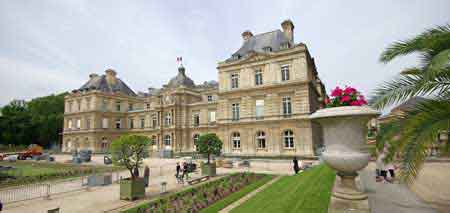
(196, 119)
(88, 123)
(142, 123)
(130, 107)
(285, 73)
(148, 106)
(104, 105)
(258, 78)
(236, 139)
(105, 123)
(118, 123)
(118, 106)
(210, 98)
(235, 112)
(131, 123)
(70, 106)
(259, 109)
(168, 119)
(78, 123)
(234, 81)
(212, 116)
(69, 124)
(154, 121)
(287, 106)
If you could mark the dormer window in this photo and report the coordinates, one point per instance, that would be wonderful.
(236, 56)
(284, 45)
(267, 49)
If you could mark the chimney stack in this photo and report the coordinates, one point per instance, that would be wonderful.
(288, 29)
(111, 76)
(246, 35)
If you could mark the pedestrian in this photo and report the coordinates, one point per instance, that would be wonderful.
(146, 175)
(136, 172)
(296, 167)
(178, 168)
(1, 206)
(185, 171)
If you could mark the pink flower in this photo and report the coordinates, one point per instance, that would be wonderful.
(336, 92)
(349, 91)
(362, 102)
(346, 99)
(327, 100)
(355, 103)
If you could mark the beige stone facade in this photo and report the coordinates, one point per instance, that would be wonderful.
(259, 107)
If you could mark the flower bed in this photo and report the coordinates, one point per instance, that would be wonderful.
(200, 197)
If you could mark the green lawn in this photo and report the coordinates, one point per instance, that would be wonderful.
(216, 207)
(309, 191)
(31, 171)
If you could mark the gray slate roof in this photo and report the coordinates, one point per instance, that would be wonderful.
(100, 83)
(181, 80)
(256, 43)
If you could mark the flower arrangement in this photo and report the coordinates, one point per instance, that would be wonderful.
(345, 97)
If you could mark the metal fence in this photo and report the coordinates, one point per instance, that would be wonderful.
(54, 187)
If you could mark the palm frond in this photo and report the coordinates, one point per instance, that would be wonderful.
(421, 128)
(396, 90)
(432, 41)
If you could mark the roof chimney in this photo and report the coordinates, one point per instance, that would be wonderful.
(246, 35)
(111, 76)
(288, 29)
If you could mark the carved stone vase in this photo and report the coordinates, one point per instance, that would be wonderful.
(345, 137)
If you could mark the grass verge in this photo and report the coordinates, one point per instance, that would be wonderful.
(309, 191)
(216, 207)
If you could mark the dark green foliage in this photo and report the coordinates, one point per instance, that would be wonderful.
(209, 144)
(39, 121)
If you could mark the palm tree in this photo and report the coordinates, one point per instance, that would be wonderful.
(419, 127)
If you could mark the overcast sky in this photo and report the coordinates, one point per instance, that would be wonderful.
(52, 46)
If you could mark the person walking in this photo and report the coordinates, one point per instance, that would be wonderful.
(185, 171)
(178, 168)
(296, 167)
(146, 175)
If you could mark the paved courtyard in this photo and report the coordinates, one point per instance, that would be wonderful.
(431, 186)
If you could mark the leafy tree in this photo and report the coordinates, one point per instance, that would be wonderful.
(418, 129)
(209, 144)
(38, 121)
(129, 151)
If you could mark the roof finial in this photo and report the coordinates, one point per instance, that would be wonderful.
(180, 61)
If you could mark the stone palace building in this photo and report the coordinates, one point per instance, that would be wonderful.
(260, 106)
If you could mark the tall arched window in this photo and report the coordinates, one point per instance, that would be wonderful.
(195, 138)
(236, 140)
(167, 140)
(261, 139)
(288, 138)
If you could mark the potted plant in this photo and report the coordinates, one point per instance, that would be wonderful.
(344, 122)
(129, 151)
(209, 144)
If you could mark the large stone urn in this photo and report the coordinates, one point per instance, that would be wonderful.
(346, 151)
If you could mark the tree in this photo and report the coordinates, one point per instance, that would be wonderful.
(129, 151)
(418, 129)
(209, 144)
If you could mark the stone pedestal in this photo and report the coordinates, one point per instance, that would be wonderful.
(343, 199)
(345, 187)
